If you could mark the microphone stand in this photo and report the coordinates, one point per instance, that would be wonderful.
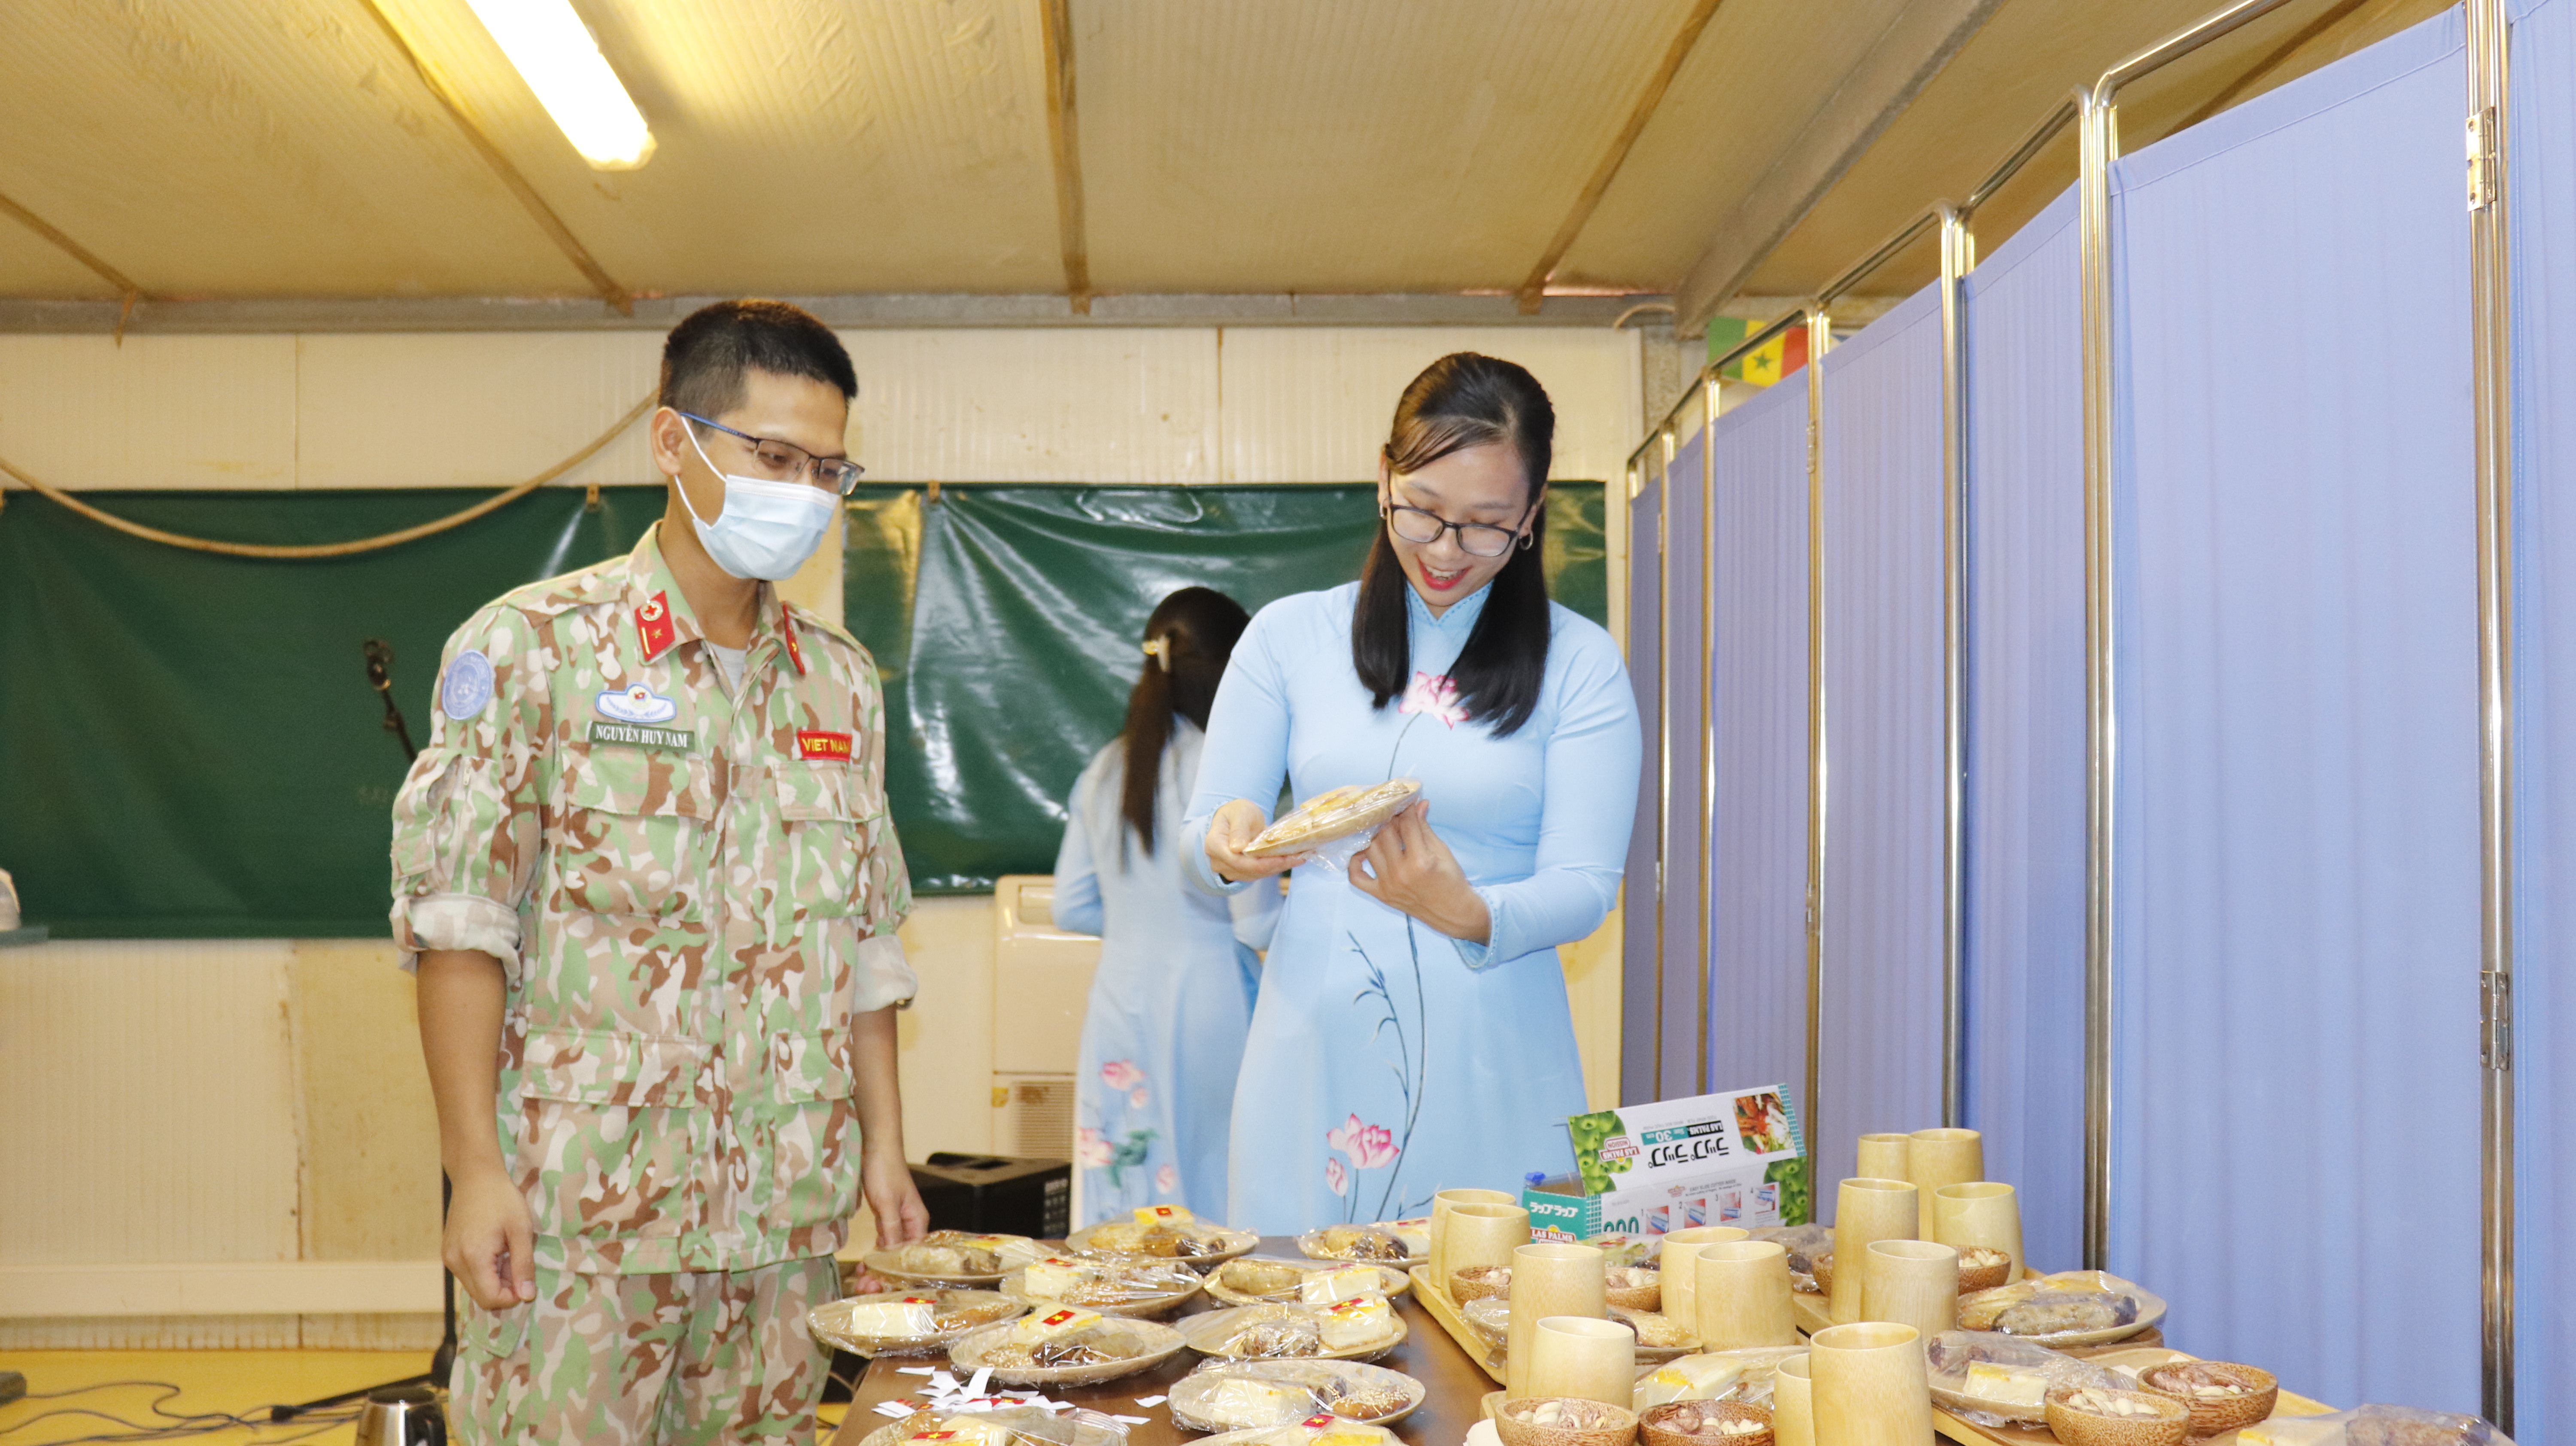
(380, 657)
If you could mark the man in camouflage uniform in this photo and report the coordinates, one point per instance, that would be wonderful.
(645, 872)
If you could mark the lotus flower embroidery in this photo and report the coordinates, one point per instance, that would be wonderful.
(1369, 1146)
(1121, 1075)
(1092, 1147)
(1336, 1176)
(1167, 1179)
(1435, 694)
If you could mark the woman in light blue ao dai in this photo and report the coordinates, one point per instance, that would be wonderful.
(1412, 1032)
(1172, 999)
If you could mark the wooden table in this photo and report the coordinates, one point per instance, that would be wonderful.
(1454, 1385)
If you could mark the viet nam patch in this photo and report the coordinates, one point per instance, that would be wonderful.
(822, 743)
(468, 685)
(634, 735)
(635, 703)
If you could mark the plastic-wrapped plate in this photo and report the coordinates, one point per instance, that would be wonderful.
(1351, 1242)
(1392, 1282)
(1136, 1289)
(1337, 813)
(1215, 1243)
(2151, 1306)
(1209, 1334)
(833, 1323)
(1197, 1403)
(1150, 1344)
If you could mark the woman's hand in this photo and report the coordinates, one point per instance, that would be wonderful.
(1407, 867)
(1237, 824)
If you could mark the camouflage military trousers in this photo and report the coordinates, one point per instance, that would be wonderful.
(622, 1360)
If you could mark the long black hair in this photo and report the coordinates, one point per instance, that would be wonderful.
(1466, 400)
(1187, 640)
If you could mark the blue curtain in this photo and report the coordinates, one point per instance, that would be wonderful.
(1758, 852)
(1638, 1015)
(1685, 653)
(1879, 1043)
(2024, 689)
(2542, 154)
(2295, 1117)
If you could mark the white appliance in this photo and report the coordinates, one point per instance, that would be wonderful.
(1041, 982)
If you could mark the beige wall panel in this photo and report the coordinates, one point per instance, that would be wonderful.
(443, 410)
(157, 1333)
(159, 411)
(1313, 405)
(1125, 405)
(370, 1130)
(946, 1038)
(155, 1079)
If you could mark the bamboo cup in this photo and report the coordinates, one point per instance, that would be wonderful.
(1871, 1387)
(1742, 1295)
(1550, 1280)
(1883, 1157)
(1482, 1235)
(1865, 1209)
(1941, 1157)
(1583, 1357)
(1793, 1403)
(1911, 1282)
(1681, 1277)
(1442, 1202)
(1980, 1213)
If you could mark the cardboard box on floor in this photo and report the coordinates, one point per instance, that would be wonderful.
(1730, 1158)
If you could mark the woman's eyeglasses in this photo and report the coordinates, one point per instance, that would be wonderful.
(1480, 539)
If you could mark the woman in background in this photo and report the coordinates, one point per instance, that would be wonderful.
(1413, 1033)
(1173, 997)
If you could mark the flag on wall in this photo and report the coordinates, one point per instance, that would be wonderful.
(1774, 359)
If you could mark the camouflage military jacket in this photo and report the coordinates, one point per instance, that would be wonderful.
(691, 895)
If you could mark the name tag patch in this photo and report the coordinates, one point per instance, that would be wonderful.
(636, 735)
(822, 743)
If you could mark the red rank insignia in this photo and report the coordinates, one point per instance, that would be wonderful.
(822, 743)
(795, 651)
(653, 626)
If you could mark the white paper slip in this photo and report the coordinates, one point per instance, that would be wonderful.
(1151, 1400)
(942, 1381)
(1132, 1420)
(894, 1410)
(983, 1379)
(914, 1370)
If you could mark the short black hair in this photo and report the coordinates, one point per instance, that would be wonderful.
(705, 356)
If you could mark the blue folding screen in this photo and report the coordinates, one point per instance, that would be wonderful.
(2295, 1119)
(2024, 687)
(1880, 1023)
(1758, 851)
(1684, 922)
(1638, 949)
(2542, 209)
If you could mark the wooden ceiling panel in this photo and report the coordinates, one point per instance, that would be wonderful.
(1758, 75)
(1346, 145)
(252, 147)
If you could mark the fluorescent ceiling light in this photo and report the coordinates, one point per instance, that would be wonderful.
(562, 64)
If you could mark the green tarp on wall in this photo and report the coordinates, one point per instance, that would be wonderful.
(189, 747)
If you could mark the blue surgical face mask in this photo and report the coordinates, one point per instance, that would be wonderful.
(767, 529)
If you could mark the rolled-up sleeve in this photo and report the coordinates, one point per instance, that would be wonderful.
(467, 824)
(884, 976)
(1246, 753)
(1587, 808)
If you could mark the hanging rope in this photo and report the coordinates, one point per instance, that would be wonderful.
(338, 549)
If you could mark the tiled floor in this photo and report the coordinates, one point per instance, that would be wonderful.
(208, 1381)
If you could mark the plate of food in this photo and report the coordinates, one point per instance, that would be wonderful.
(1132, 1288)
(1249, 1395)
(1066, 1347)
(1334, 813)
(1400, 1243)
(908, 1323)
(955, 1257)
(1164, 1232)
(1009, 1426)
(1354, 1330)
(1318, 1430)
(2070, 1308)
(1265, 1280)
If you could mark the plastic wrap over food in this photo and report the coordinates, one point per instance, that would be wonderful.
(1113, 1286)
(1008, 1426)
(1743, 1375)
(908, 1323)
(1246, 1395)
(1333, 826)
(2045, 1305)
(1320, 1429)
(1061, 1339)
(1389, 1242)
(1164, 1232)
(1804, 1243)
(1263, 1279)
(1490, 1318)
(2374, 1426)
(1994, 1380)
(1618, 1250)
(1656, 1331)
(963, 1253)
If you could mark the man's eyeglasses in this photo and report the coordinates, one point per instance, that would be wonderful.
(1480, 539)
(786, 462)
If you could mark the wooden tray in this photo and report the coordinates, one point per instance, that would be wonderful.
(2124, 1354)
(1444, 1310)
